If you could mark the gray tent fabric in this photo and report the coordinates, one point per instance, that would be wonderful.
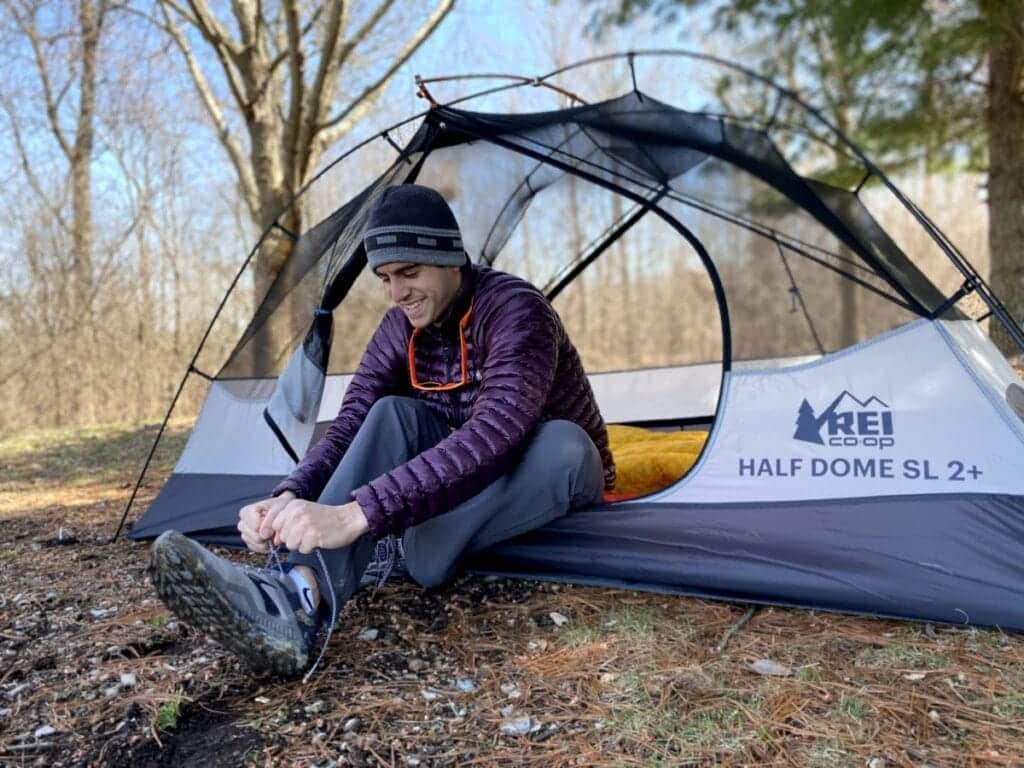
(954, 559)
(833, 478)
(292, 410)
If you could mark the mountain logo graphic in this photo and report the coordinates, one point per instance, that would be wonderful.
(847, 421)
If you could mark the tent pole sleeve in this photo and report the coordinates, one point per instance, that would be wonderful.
(152, 451)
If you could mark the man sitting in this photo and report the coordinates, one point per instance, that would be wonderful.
(469, 421)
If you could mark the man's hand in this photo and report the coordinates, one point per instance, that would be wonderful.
(305, 525)
(251, 517)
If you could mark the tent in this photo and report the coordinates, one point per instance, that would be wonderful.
(725, 258)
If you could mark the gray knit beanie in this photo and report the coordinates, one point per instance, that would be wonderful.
(410, 223)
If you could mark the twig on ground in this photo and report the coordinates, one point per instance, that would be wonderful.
(735, 628)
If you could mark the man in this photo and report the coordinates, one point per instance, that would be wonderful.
(469, 421)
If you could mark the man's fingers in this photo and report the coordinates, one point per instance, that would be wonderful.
(271, 522)
(255, 545)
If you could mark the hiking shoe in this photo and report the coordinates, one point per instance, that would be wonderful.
(256, 613)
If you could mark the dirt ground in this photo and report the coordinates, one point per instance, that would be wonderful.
(486, 672)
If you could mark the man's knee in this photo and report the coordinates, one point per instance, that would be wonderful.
(564, 446)
(388, 407)
(563, 450)
(432, 573)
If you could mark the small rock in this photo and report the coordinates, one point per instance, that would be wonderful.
(517, 726)
(876, 762)
(43, 731)
(13, 693)
(417, 665)
(507, 711)
(537, 645)
(465, 685)
(112, 691)
(430, 694)
(769, 667)
(915, 676)
(608, 677)
(413, 761)
(315, 708)
(558, 618)
(127, 679)
(352, 725)
(511, 690)
(934, 716)
(102, 613)
(261, 700)
(369, 634)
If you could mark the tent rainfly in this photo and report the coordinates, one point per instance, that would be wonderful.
(866, 437)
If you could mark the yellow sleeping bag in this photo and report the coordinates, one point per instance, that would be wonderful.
(647, 461)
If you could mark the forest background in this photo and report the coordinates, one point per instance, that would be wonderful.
(145, 145)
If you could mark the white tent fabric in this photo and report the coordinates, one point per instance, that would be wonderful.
(901, 414)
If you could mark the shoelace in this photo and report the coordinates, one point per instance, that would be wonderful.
(388, 552)
(274, 560)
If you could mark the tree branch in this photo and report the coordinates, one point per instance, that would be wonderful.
(31, 32)
(246, 180)
(332, 130)
(295, 116)
(230, 54)
(325, 68)
(26, 166)
(203, 18)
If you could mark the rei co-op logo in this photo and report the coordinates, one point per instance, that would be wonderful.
(847, 421)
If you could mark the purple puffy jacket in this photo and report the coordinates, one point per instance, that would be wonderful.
(523, 370)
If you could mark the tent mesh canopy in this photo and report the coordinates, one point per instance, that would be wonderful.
(670, 202)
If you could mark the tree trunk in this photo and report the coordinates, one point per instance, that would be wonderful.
(81, 162)
(1006, 167)
(851, 325)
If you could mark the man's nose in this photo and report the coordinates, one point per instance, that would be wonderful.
(398, 290)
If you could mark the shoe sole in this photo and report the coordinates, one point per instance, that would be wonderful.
(183, 583)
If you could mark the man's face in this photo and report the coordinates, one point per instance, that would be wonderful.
(423, 291)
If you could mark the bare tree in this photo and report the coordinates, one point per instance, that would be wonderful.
(61, 78)
(272, 89)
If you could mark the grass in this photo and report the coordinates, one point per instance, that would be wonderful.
(630, 620)
(855, 707)
(86, 455)
(724, 727)
(169, 712)
(907, 653)
(7, 555)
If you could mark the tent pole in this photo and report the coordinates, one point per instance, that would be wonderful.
(604, 245)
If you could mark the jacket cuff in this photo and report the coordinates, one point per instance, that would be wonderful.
(288, 485)
(376, 519)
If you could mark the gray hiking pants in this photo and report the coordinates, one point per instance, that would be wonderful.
(559, 470)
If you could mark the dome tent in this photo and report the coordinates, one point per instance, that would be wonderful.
(871, 464)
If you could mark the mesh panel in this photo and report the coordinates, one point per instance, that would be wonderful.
(804, 266)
